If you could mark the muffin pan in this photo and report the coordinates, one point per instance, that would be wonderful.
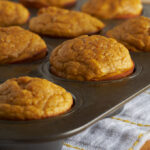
(92, 100)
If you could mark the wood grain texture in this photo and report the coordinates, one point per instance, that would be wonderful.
(146, 146)
(146, 1)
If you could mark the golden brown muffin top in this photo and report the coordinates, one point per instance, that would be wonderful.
(59, 22)
(108, 9)
(18, 44)
(134, 34)
(28, 98)
(42, 3)
(59, 3)
(12, 13)
(90, 58)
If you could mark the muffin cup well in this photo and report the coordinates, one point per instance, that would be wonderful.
(45, 70)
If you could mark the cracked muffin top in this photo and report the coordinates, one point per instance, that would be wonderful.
(59, 22)
(12, 13)
(91, 58)
(134, 34)
(109, 9)
(46, 3)
(27, 98)
(18, 44)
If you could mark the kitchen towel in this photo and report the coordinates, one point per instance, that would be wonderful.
(128, 130)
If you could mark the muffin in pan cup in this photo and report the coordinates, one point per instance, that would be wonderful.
(58, 22)
(46, 3)
(133, 33)
(12, 13)
(28, 98)
(91, 58)
(18, 45)
(113, 9)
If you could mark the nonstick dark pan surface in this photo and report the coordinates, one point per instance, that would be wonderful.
(92, 100)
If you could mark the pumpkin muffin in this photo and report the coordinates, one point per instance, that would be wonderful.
(27, 98)
(109, 9)
(134, 34)
(91, 58)
(12, 13)
(57, 22)
(19, 45)
(46, 3)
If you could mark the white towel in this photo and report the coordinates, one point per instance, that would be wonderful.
(128, 130)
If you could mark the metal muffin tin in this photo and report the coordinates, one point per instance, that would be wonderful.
(92, 100)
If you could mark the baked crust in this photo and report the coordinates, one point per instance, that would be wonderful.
(134, 34)
(108, 9)
(20, 45)
(57, 22)
(91, 58)
(27, 98)
(46, 3)
(12, 13)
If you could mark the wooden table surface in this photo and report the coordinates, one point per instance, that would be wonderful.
(146, 1)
